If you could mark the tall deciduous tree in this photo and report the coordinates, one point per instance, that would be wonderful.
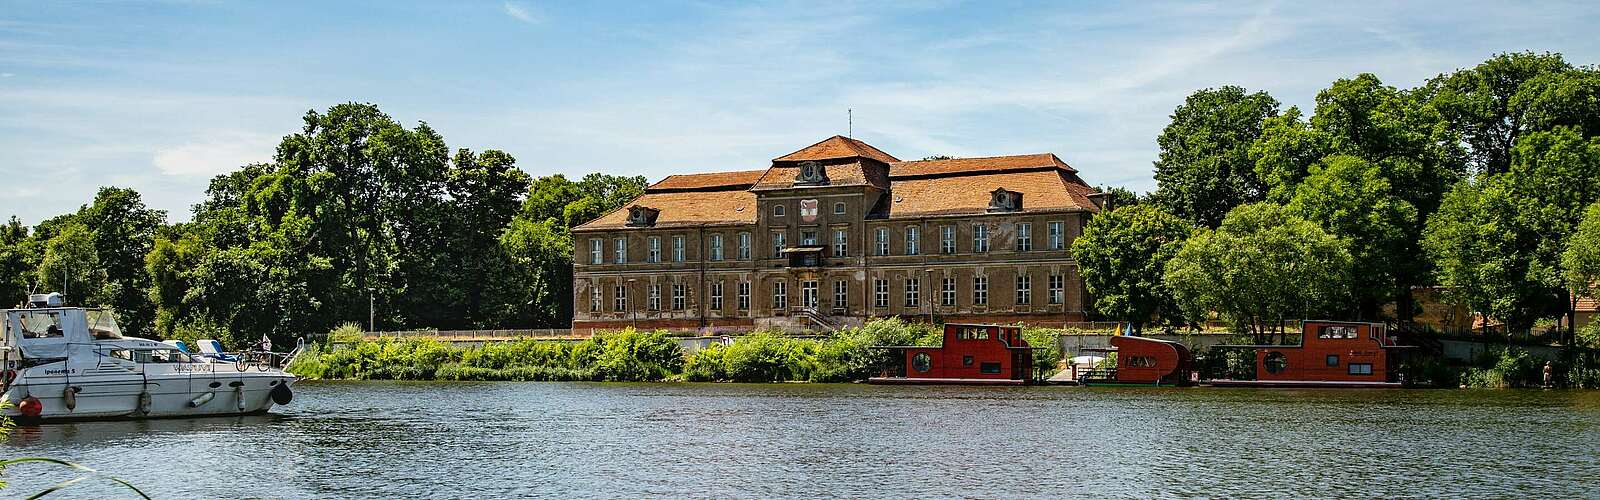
(1481, 103)
(1123, 254)
(1350, 199)
(1204, 168)
(1262, 266)
(1581, 259)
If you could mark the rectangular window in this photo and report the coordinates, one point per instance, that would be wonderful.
(913, 238)
(677, 248)
(1336, 332)
(594, 299)
(989, 368)
(1058, 291)
(654, 299)
(980, 290)
(980, 238)
(620, 247)
(1024, 237)
(912, 290)
(780, 294)
(620, 298)
(744, 295)
(1333, 360)
(883, 241)
(838, 208)
(716, 247)
(841, 248)
(597, 250)
(948, 295)
(716, 295)
(654, 254)
(1057, 237)
(841, 294)
(680, 294)
(880, 293)
(744, 246)
(777, 244)
(947, 239)
(1024, 289)
(808, 238)
(1360, 368)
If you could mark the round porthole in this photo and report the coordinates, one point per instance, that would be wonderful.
(1276, 362)
(922, 362)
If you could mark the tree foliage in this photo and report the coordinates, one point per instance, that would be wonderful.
(1123, 254)
(1204, 168)
(1262, 266)
(1350, 198)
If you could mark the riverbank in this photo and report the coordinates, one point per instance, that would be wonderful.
(632, 355)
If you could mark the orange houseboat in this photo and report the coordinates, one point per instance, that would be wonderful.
(971, 354)
(1330, 354)
(1140, 361)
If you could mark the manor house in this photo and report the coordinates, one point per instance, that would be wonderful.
(835, 233)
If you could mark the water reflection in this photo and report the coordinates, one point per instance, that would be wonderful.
(727, 440)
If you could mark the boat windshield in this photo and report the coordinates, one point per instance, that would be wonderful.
(102, 324)
(40, 324)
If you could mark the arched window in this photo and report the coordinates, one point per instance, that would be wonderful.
(838, 208)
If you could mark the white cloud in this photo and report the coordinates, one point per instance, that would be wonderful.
(214, 154)
(521, 13)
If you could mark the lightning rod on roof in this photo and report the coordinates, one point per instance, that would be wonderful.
(849, 123)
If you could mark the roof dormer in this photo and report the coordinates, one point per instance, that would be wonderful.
(639, 216)
(1004, 200)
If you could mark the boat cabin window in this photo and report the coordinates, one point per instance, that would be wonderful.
(1141, 361)
(1360, 368)
(973, 334)
(989, 368)
(40, 324)
(922, 362)
(102, 324)
(1276, 362)
(159, 356)
(1336, 332)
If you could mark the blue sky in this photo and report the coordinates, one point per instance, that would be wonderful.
(160, 96)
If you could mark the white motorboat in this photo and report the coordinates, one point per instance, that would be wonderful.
(60, 363)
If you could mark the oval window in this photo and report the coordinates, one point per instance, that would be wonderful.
(1276, 362)
(922, 362)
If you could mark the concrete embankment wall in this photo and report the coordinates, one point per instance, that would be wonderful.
(1459, 350)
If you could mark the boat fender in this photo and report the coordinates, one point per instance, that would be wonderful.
(30, 407)
(144, 402)
(201, 399)
(238, 395)
(70, 397)
(282, 394)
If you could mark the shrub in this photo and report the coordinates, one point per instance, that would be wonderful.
(1504, 367)
(1046, 343)
(706, 365)
(633, 355)
(767, 357)
(850, 355)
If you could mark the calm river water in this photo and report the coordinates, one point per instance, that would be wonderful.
(383, 440)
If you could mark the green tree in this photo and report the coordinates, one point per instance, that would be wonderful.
(1481, 105)
(1350, 199)
(1483, 256)
(1262, 266)
(17, 262)
(1582, 256)
(1204, 168)
(70, 264)
(1122, 255)
(123, 231)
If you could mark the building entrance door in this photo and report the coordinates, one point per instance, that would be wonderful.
(808, 294)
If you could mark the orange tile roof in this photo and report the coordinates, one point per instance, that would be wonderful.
(686, 209)
(838, 147)
(985, 164)
(849, 174)
(917, 188)
(1586, 304)
(1042, 190)
(740, 179)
